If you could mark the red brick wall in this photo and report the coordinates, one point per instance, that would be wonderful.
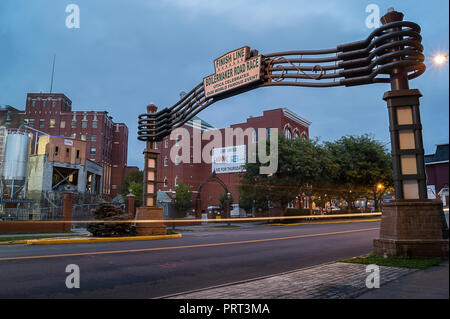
(194, 174)
(109, 139)
(437, 174)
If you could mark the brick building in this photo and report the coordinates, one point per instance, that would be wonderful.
(436, 166)
(171, 173)
(106, 141)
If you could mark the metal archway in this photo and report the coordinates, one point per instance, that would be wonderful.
(411, 225)
(393, 49)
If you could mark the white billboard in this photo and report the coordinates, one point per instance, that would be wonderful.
(229, 159)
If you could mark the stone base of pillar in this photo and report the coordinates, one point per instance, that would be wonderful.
(150, 213)
(413, 228)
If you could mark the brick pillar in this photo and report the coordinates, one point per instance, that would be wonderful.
(130, 198)
(67, 211)
(412, 225)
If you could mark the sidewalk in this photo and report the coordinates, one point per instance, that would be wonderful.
(334, 281)
(431, 283)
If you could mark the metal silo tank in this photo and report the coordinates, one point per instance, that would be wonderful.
(15, 162)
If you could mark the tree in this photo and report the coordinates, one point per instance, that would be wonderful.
(222, 201)
(361, 164)
(134, 181)
(183, 199)
(301, 163)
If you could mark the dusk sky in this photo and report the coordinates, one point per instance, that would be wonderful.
(128, 53)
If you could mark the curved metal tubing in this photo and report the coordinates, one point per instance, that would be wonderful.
(389, 49)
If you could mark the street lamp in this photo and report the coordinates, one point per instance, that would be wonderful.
(228, 207)
(440, 59)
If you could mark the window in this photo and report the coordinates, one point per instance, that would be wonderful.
(83, 124)
(41, 123)
(31, 122)
(176, 181)
(165, 181)
(56, 150)
(67, 152)
(62, 124)
(74, 135)
(93, 151)
(93, 138)
(94, 124)
(33, 103)
(74, 124)
(52, 123)
(287, 133)
(53, 103)
(255, 136)
(43, 103)
(177, 160)
(155, 145)
(296, 134)
(78, 153)
(268, 133)
(166, 143)
(83, 137)
(166, 161)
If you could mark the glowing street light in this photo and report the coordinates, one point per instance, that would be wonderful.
(440, 59)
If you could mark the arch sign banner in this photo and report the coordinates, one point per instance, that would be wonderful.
(233, 70)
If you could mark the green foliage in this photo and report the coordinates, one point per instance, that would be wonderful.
(222, 201)
(301, 163)
(183, 199)
(395, 261)
(362, 163)
(348, 168)
(134, 181)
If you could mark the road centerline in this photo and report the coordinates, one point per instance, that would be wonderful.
(186, 246)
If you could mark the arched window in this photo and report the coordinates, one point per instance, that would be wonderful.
(255, 136)
(287, 133)
(296, 135)
(165, 181)
(166, 161)
(176, 181)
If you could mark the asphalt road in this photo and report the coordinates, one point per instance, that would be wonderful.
(148, 269)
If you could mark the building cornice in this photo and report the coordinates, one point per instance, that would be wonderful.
(295, 117)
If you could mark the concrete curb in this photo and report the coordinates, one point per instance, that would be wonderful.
(60, 241)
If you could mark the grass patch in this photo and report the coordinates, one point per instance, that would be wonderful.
(394, 261)
(3, 239)
(171, 232)
(40, 232)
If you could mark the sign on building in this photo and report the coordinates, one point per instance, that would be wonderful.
(229, 159)
(233, 70)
